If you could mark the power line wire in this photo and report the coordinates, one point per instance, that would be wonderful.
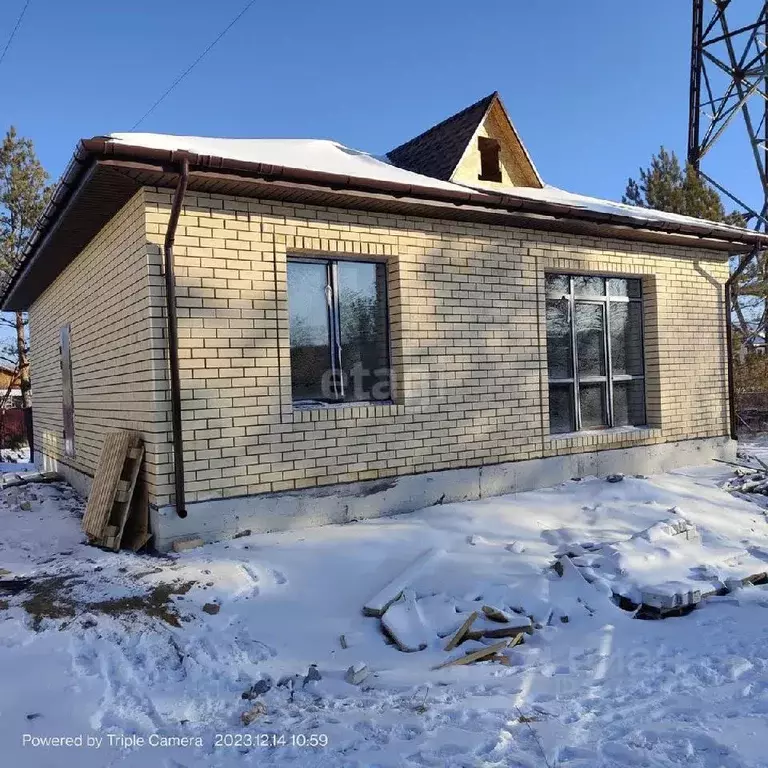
(191, 66)
(14, 31)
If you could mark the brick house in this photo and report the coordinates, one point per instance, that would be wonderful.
(342, 336)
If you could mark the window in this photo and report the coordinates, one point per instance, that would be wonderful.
(594, 352)
(67, 396)
(338, 326)
(490, 167)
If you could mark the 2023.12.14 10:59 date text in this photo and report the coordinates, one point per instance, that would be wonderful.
(271, 740)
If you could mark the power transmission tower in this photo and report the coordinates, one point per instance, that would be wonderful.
(729, 92)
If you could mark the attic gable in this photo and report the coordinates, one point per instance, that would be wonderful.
(478, 147)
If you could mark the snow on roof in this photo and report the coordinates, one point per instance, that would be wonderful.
(550, 194)
(327, 156)
(320, 155)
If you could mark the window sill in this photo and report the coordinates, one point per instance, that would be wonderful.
(335, 411)
(616, 434)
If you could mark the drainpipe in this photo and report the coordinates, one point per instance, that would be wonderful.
(729, 336)
(173, 338)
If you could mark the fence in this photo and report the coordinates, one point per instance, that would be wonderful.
(13, 432)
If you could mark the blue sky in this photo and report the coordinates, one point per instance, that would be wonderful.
(593, 87)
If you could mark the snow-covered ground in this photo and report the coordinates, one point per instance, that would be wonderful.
(114, 647)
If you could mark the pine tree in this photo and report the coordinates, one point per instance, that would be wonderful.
(666, 186)
(24, 192)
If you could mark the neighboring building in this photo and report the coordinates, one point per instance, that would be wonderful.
(10, 387)
(358, 338)
(755, 347)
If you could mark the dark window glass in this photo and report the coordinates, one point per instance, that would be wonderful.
(588, 286)
(617, 286)
(592, 402)
(626, 338)
(338, 328)
(601, 395)
(559, 351)
(490, 167)
(309, 330)
(629, 403)
(67, 395)
(558, 284)
(561, 408)
(590, 339)
(622, 286)
(363, 322)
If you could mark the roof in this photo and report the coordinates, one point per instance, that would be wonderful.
(437, 151)
(106, 171)
(329, 157)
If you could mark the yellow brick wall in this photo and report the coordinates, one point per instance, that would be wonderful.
(467, 343)
(104, 296)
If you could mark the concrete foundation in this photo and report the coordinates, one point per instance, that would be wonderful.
(223, 518)
(78, 480)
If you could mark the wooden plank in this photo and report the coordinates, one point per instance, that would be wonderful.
(482, 653)
(461, 632)
(136, 532)
(122, 507)
(107, 476)
(378, 604)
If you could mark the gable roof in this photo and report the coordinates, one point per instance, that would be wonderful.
(438, 150)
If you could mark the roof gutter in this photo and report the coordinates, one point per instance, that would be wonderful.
(90, 151)
(173, 338)
(105, 148)
(742, 265)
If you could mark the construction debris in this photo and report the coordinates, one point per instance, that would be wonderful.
(378, 605)
(10, 481)
(404, 623)
(258, 688)
(494, 630)
(489, 650)
(461, 633)
(180, 545)
(255, 712)
(495, 614)
(357, 673)
(313, 675)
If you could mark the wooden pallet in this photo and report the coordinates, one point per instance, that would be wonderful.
(109, 502)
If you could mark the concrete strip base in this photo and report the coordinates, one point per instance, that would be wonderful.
(223, 518)
(78, 480)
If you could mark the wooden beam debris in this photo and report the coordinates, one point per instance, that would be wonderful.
(461, 632)
(483, 653)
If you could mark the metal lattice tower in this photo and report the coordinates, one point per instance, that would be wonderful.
(729, 92)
